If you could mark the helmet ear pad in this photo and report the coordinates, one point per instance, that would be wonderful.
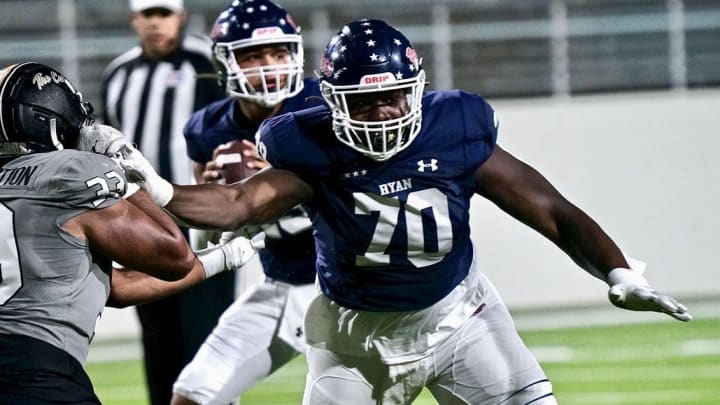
(40, 108)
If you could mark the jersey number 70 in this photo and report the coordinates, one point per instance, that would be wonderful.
(389, 210)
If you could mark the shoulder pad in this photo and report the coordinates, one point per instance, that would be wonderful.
(82, 179)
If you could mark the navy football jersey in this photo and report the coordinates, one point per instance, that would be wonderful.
(392, 235)
(215, 124)
(289, 253)
(53, 287)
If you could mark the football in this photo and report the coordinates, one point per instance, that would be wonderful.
(230, 155)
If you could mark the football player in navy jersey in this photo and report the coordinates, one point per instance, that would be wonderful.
(65, 216)
(386, 172)
(260, 50)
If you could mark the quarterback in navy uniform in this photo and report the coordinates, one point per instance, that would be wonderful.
(63, 221)
(387, 173)
(261, 53)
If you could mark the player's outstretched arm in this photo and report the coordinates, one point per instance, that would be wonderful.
(524, 193)
(262, 198)
(131, 287)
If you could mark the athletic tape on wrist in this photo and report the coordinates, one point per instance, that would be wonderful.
(213, 260)
(622, 275)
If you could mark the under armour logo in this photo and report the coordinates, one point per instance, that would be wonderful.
(432, 165)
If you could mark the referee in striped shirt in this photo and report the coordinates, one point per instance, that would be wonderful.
(149, 93)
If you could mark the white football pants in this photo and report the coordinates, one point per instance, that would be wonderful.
(483, 363)
(256, 335)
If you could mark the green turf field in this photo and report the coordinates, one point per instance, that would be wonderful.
(660, 364)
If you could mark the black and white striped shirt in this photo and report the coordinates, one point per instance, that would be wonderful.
(150, 101)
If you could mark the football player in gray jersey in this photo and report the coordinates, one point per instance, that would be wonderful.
(65, 216)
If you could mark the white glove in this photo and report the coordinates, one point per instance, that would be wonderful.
(630, 290)
(108, 141)
(102, 139)
(131, 189)
(139, 170)
(232, 253)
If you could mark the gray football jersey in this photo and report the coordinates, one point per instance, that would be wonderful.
(52, 287)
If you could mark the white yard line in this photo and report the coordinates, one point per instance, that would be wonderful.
(699, 347)
(528, 319)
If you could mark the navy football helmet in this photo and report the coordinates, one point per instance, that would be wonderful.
(250, 23)
(370, 56)
(40, 110)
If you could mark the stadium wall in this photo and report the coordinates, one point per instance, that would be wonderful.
(644, 165)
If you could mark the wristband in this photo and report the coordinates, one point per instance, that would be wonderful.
(161, 191)
(621, 275)
(213, 260)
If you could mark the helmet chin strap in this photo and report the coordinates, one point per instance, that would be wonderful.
(54, 135)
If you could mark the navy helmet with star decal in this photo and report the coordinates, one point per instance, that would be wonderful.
(370, 56)
(252, 23)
